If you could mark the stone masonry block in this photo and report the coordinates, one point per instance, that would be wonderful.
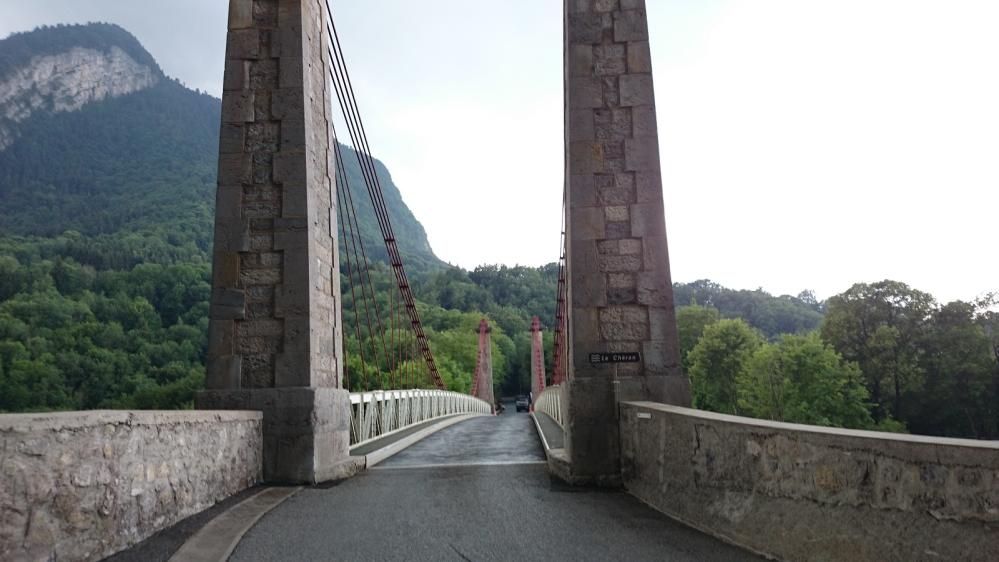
(612, 124)
(231, 138)
(656, 254)
(582, 191)
(291, 77)
(620, 280)
(229, 201)
(588, 224)
(625, 315)
(232, 234)
(654, 289)
(662, 323)
(297, 333)
(290, 170)
(587, 28)
(581, 125)
(237, 107)
(583, 255)
(225, 269)
(586, 157)
(224, 372)
(240, 14)
(621, 295)
(581, 60)
(618, 331)
(585, 324)
(263, 74)
(265, 14)
(644, 118)
(292, 369)
(293, 137)
(220, 333)
(648, 219)
(609, 247)
(604, 6)
(243, 44)
(649, 187)
(641, 154)
(589, 290)
(611, 192)
(609, 263)
(630, 246)
(288, 105)
(609, 60)
(585, 92)
(292, 234)
(617, 230)
(616, 214)
(637, 89)
(661, 358)
(631, 25)
(236, 76)
(633, 4)
(290, 300)
(639, 57)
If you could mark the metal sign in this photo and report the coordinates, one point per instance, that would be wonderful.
(601, 358)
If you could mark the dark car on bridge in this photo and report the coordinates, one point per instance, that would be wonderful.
(523, 403)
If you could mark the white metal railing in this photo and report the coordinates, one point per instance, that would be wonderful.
(381, 412)
(550, 402)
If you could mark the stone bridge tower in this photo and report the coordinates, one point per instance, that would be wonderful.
(622, 326)
(274, 339)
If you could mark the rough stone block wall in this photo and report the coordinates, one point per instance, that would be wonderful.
(83, 485)
(275, 315)
(800, 492)
(620, 292)
(275, 333)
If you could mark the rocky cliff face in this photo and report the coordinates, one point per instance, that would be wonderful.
(66, 82)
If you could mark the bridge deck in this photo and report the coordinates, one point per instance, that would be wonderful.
(475, 491)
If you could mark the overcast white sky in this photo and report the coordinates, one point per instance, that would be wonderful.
(806, 144)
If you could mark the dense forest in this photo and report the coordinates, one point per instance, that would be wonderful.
(105, 240)
(885, 356)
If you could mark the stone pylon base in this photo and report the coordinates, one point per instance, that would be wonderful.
(593, 446)
(306, 430)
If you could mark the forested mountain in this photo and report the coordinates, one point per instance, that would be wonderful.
(139, 159)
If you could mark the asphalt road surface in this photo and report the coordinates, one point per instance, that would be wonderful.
(478, 490)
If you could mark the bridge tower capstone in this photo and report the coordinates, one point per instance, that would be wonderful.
(275, 332)
(537, 359)
(622, 327)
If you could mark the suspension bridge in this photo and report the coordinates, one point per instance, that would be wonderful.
(320, 446)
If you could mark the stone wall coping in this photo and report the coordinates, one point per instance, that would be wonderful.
(837, 431)
(69, 420)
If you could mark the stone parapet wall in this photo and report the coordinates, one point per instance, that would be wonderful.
(83, 485)
(799, 492)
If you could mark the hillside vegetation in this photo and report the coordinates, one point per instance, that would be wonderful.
(105, 235)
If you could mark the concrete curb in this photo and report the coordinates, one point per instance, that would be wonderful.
(379, 455)
(558, 461)
(537, 426)
(219, 537)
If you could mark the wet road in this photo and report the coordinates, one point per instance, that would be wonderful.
(506, 438)
(477, 490)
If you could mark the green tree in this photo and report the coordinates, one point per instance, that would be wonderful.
(803, 380)
(716, 361)
(691, 322)
(957, 394)
(880, 326)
